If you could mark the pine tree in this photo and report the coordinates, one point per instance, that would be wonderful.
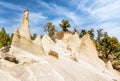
(5, 38)
(33, 36)
(108, 46)
(50, 28)
(91, 33)
(65, 25)
(83, 32)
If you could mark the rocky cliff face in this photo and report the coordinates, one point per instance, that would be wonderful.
(67, 59)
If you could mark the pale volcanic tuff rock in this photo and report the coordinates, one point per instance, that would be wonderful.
(38, 41)
(76, 59)
(25, 44)
(110, 67)
(87, 51)
(47, 44)
(25, 29)
(43, 68)
(21, 39)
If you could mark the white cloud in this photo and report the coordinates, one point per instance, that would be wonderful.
(65, 13)
(57, 21)
(106, 11)
(74, 18)
(111, 28)
(81, 6)
(37, 20)
(106, 15)
(43, 4)
(97, 11)
(37, 17)
(11, 6)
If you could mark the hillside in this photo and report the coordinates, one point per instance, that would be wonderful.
(67, 59)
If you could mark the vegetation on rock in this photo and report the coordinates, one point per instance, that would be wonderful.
(108, 47)
(33, 36)
(65, 25)
(5, 38)
(50, 28)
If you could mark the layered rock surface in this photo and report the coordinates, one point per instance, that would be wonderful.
(25, 29)
(77, 60)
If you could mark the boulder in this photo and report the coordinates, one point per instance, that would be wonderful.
(9, 57)
(53, 53)
(5, 49)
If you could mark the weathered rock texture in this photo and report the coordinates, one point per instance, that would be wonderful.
(87, 51)
(24, 29)
(21, 39)
(77, 59)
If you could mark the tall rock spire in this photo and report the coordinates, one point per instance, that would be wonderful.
(24, 29)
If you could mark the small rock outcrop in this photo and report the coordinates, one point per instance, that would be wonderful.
(109, 66)
(9, 57)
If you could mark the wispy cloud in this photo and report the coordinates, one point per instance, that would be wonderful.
(11, 6)
(37, 17)
(103, 14)
(37, 20)
(107, 11)
(111, 28)
(81, 14)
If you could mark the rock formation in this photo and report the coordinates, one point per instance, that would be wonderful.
(9, 57)
(21, 39)
(24, 29)
(77, 58)
(38, 41)
(53, 53)
(109, 66)
(88, 52)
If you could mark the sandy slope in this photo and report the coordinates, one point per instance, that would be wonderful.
(35, 67)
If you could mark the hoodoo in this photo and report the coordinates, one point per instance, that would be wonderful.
(22, 40)
(25, 29)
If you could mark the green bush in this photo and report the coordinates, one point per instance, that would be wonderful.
(5, 39)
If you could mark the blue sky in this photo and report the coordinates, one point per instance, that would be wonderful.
(83, 14)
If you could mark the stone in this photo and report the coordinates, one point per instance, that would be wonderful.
(88, 52)
(5, 49)
(37, 41)
(48, 44)
(58, 35)
(9, 57)
(53, 53)
(24, 29)
(109, 66)
(33, 66)
(22, 40)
